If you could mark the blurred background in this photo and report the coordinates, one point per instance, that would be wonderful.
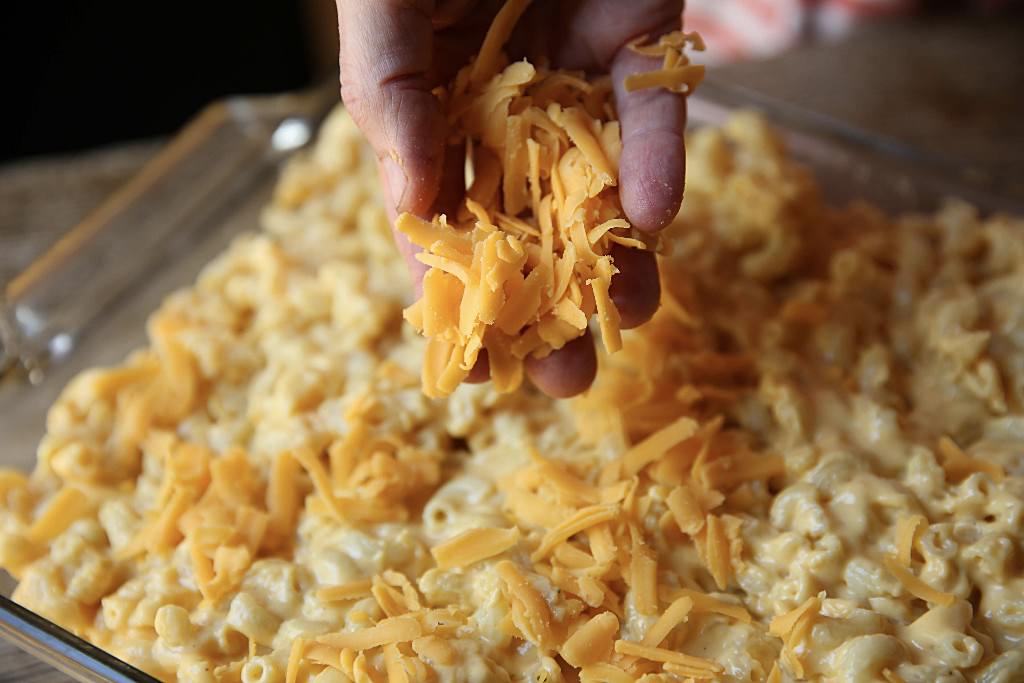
(92, 72)
(95, 87)
(88, 73)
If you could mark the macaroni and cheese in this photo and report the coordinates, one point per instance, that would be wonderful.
(806, 467)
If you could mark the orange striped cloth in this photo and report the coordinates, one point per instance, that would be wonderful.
(750, 29)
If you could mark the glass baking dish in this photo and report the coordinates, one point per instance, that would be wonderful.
(84, 303)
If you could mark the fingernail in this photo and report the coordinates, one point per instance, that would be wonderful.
(396, 180)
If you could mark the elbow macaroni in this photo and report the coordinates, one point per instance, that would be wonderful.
(255, 497)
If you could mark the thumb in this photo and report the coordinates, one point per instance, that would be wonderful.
(386, 50)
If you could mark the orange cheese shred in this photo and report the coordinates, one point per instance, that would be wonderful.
(691, 673)
(907, 530)
(702, 602)
(783, 624)
(685, 509)
(643, 575)
(674, 615)
(659, 654)
(347, 591)
(676, 73)
(295, 660)
(958, 465)
(321, 481)
(719, 561)
(530, 612)
(581, 521)
(676, 79)
(473, 545)
(68, 505)
(793, 627)
(163, 533)
(401, 629)
(592, 642)
(605, 673)
(282, 498)
(487, 62)
(916, 586)
(657, 444)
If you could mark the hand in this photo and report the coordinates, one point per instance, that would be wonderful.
(393, 52)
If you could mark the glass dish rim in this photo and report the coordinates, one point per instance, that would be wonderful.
(62, 649)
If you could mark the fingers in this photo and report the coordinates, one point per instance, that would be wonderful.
(407, 249)
(636, 290)
(481, 371)
(652, 168)
(450, 193)
(566, 372)
(385, 59)
(386, 49)
(569, 371)
(452, 186)
(448, 12)
(593, 32)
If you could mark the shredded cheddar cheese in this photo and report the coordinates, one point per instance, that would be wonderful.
(959, 465)
(907, 530)
(674, 615)
(526, 260)
(592, 642)
(793, 627)
(295, 660)
(68, 505)
(717, 551)
(584, 519)
(348, 591)
(916, 586)
(702, 602)
(658, 654)
(686, 510)
(399, 629)
(530, 612)
(676, 72)
(690, 672)
(436, 650)
(657, 444)
(604, 673)
(283, 493)
(472, 546)
(782, 625)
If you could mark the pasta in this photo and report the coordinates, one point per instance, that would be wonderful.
(807, 466)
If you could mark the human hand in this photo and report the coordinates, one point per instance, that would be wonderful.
(394, 52)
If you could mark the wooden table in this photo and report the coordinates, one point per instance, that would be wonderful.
(950, 86)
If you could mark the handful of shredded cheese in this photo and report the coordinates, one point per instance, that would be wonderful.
(526, 261)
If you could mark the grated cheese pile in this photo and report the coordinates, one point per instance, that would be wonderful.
(806, 467)
(526, 261)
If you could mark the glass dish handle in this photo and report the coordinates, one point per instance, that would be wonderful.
(45, 308)
(66, 652)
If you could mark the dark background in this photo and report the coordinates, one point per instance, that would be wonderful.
(81, 73)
